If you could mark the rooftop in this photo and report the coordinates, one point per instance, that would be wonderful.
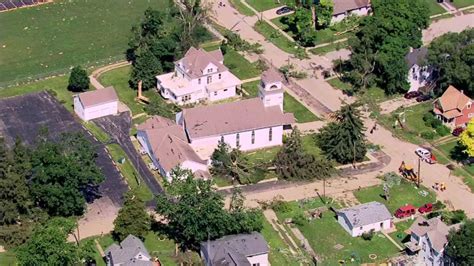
(215, 120)
(180, 86)
(416, 57)
(126, 252)
(195, 61)
(453, 99)
(365, 214)
(100, 96)
(342, 6)
(270, 76)
(434, 228)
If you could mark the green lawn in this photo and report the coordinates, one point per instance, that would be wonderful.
(240, 66)
(447, 150)
(251, 88)
(462, 3)
(243, 9)
(262, 5)
(279, 251)
(325, 233)
(96, 131)
(301, 113)
(400, 235)
(434, 8)
(339, 84)
(53, 37)
(7, 259)
(275, 37)
(329, 48)
(129, 172)
(296, 208)
(400, 195)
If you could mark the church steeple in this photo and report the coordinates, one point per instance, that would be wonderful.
(271, 90)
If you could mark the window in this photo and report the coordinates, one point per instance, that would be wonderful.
(225, 89)
(253, 136)
(199, 81)
(215, 93)
(220, 75)
(469, 106)
(470, 115)
(237, 140)
(222, 138)
(209, 79)
(270, 134)
(256, 264)
(209, 70)
(186, 98)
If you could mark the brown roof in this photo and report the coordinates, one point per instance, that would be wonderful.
(168, 143)
(342, 6)
(156, 122)
(233, 117)
(434, 228)
(271, 75)
(453, 99)
(95, 97)
(196, 60)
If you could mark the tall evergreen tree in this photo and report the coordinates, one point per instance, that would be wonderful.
(78, 80)
(293, 162)
(344, 140)
(132, 219)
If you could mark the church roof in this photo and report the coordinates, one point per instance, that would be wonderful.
(270, 76)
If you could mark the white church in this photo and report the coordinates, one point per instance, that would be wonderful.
(189, 141)
(198, 76)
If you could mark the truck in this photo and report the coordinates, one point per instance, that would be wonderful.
(405, 211)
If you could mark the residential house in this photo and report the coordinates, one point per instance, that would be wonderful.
(428, 239)
(242, 250)
(249, 124)
(365, 217)
(131, 251)
(345, 8)
(167, 146)
(419, 73)
(198, 76)
(454, 108)
(96, 103)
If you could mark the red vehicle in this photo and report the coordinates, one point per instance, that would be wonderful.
(457, 131)
(428, 207)
(405, 211)
(412, 94)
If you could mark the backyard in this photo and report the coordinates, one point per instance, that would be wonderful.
(51, 38)
(400, 234)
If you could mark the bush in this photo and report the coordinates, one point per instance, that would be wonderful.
(453, 217)
(442, 130)
(281, 206)
(438, 205)
(299, 219)
(429, 135)
(368, 235)
(433, 214)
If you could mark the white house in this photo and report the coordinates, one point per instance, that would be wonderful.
(131, 251)
(198, 76)
(345, 8)
(167, 146)
(365, 217)
(249, 124)
(97, 103)
(239, 250)
(419, 74)
(428, 239)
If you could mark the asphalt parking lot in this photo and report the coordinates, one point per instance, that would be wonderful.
(24, 116)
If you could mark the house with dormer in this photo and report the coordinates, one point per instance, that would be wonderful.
(131, 251)
(454, 108)
(198, 76)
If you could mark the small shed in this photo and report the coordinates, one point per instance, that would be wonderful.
(97, 103)
(365, 217)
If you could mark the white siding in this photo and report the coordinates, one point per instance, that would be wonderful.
(262, 260)
(358, 231)
(358, 12)
(78, 108)
(222, 94)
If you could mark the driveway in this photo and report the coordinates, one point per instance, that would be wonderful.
(272, 13)
(118, 128)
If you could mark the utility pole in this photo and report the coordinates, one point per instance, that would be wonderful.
(419, 172)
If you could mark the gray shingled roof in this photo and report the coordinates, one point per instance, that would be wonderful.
(364, 214)
(234, 248)
(417, 56)
(342, 6)
(125, 252)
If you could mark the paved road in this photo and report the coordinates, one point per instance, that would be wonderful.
(118, 128)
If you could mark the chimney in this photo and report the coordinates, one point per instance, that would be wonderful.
(139, 89)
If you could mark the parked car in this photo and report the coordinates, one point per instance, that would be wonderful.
(424, 98)
(457, 131)
(425, 155)
(468, 161)
(412, 94)
(284, 10)
(428, 207)
(405, 211)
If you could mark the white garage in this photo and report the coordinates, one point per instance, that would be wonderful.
(97, 103)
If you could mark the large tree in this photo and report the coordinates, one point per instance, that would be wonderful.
(65, 174)
(194, 212)
(301, 24)
(292, 162)
(49, 246)
(460, 248)
(344, 139)
(324, 10)
(379, 47)
(466, 139)
(230, 163)
(132, 219)
(452, 55)
(78, 80)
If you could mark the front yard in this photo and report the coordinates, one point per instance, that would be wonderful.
(262, 5)
(275, 37)
(400, 235)
(462, 3)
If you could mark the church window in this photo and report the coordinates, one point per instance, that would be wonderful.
(209, 79)
(237, 140)
(253, 136)
(270, 134)
(222, 138)
(215, 93)
(209, 70)
(199, 81)
(220, 75)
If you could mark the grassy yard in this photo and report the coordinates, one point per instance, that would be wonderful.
(297, 208)
(325, 233)
(243, 9)
(240, 66)
(448, 150)
(337, 83)
(275, 37)
(400, 195)
(7, 259)
(129, 172)
(434, 8)
(400, 235)
(329, 48)
(56, 36)
(462, 3)
(96, 131)
(262, 5)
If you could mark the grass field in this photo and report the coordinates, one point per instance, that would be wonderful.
(434, 8)
(275, 37)
(329, 48)
(262, 5)
(240, 66)
(243, 9)
(462, 3)
(7, 259)
(56, 36)
(400, 195)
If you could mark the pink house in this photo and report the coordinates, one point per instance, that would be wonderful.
(454, 108)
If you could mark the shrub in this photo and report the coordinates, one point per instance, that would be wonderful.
(299, 219)
(281, 206)
(428, 118)
(368, 235)
(442, 130)
(453, 217)
(428, 135)
(438, 205)
(433, 214)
